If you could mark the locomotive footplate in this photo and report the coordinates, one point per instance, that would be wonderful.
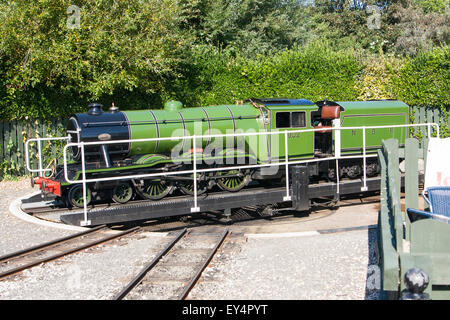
(175, 206)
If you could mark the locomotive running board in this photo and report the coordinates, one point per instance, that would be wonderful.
(182, 205)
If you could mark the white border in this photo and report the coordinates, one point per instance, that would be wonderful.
(15, 210)
(281, 235)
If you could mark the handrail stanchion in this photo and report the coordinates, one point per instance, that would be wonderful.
(364, 187)
(86, 222)
(40, 157)
(27, 156)
(194, 147)
(337, 150)
(286, 152)
(337, 177)
(65, 162)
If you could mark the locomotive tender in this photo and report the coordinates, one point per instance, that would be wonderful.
(246, 119)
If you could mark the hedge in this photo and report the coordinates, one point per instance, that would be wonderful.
(215, 76)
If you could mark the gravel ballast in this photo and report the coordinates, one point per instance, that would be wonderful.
(97, 273)
(17, 234)
(331, 266)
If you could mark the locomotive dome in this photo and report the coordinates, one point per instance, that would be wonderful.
(173, 105)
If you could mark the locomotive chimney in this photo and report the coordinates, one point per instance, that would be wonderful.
(95, 109)
(113, 108)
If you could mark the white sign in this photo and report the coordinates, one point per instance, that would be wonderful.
(438, 163)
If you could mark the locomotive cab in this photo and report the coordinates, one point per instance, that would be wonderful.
(323, 120)
(289, 117)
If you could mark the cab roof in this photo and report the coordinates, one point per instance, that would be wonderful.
(373, 106)
(281, 102)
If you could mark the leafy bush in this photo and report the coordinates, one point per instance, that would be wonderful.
(438, 6)
(375, 81)
(425, 79)
(315, 72)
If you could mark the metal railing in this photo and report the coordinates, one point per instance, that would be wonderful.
(27, 154)
(194, 171)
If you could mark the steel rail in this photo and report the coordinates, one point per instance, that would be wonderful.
(64, 253)
(48, 244)
(138, 278)
(197, 275)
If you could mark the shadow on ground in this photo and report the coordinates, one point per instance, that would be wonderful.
(373, 280)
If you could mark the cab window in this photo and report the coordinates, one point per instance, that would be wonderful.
(290, 119)
(298, 119)
(283, 120)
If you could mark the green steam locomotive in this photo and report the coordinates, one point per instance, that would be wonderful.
(255, 131)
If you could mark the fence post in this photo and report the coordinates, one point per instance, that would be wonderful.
(390, 148)
(387, 240)
(411, 173)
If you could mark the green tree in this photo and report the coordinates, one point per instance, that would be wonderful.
(358, 25)
(249, 26)
(421, 28)
(119, 47)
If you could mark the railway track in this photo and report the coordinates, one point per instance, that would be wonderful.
(13, 263)
(188, 252)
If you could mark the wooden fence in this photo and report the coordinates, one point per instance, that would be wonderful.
(423, 114)
(13, 135)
